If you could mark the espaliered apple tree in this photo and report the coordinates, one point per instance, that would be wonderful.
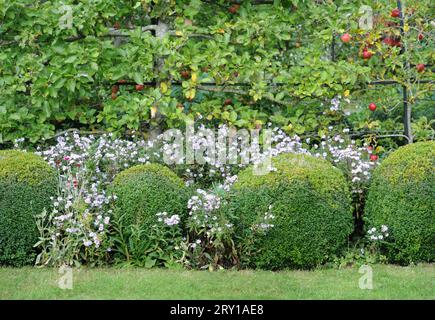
(114, 65)
(395, 48)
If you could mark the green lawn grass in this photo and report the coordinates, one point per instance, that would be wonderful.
(390, 282)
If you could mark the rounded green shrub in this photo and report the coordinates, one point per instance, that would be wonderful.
(402, 197)
(311, 203)
(26, 184)
(144, 190)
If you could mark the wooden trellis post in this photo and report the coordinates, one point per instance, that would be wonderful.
(161, 30)
(406, 106)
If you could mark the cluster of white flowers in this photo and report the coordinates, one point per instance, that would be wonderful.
(336, 148)
(205, 217)
(69, 150)
(103, 157)
(224, 151)
(376, 235)
(169, 221)
(18, 143)
(228, 183)
(283, 143)
(336, 105)
(100, 158)
(351, 158)
(70, 217)
(195, 244)
(204, 202)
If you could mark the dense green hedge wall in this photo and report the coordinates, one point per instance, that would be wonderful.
(402, 196)
(311, 203)
(145, 190)
(26, 185)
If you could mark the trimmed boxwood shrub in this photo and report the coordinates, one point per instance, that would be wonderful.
(26, 184)
(145, 190)
(311, 203)
(402, 197)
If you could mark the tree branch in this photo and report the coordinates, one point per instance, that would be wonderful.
(121, 33)
(239, 92)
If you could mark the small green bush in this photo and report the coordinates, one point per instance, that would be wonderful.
(142, 192)
(26, 184)
(312, 207)
(145, 190)
(402, 197)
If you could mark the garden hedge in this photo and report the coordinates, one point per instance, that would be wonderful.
(26, 184)
(311, 203)
(145, 190)
(402, 197)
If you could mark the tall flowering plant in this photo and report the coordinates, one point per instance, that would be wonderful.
(75, 230)
(209, 243)
(353, 159)
(212, 241)
(378, 239)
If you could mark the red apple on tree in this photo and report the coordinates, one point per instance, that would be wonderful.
(367, 54)
(372, 106)
(373, 157)
(395, 13)
(234, 8)
(185, 74)
(346, 38)
(420, 67)
(139, 87)
(389, 41)
(420, 36)
(228, 102)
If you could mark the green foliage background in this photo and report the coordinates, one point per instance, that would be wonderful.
(54, 78)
